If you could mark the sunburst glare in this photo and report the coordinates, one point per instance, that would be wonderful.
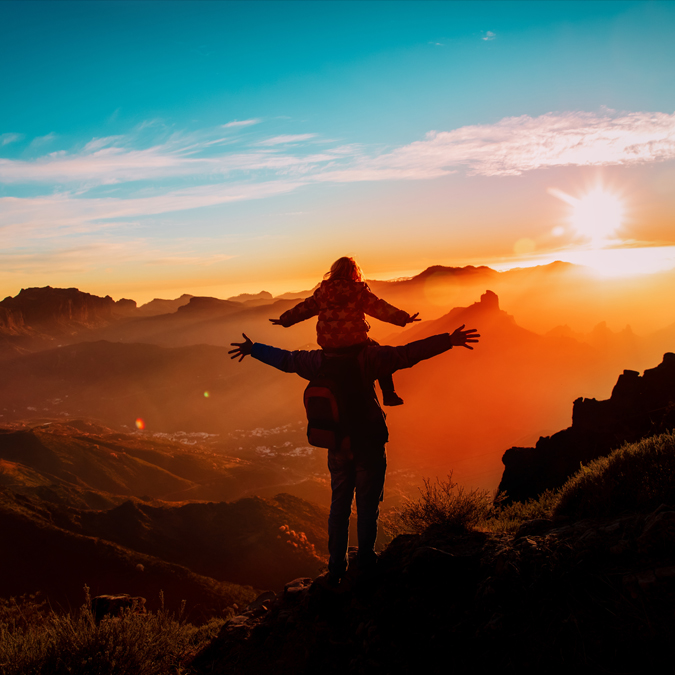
(597, 216)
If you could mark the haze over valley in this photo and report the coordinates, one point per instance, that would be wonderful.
(164, 366)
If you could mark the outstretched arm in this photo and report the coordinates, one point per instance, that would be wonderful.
(382, 310)
(385, 360)
(302, 311)
(304, 363)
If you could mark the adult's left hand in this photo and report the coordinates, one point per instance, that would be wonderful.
(242, 349)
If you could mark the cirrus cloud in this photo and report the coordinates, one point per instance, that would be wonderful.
(515, 145)
(204, 170)
(5, 139)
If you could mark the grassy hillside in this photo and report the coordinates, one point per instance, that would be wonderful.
(40, 556)
(81, 503)
(585, 589)
(580, 580)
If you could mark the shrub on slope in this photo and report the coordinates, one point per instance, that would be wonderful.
(637, 477)
(445, 504)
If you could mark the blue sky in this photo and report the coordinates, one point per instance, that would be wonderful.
(216, 147)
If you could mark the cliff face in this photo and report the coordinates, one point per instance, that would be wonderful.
(47, 307)
(639, 406)
(11, 321)
(36, 317)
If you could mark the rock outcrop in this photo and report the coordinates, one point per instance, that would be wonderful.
(45, 307)
(593, 595)
(36, 317)
(639, 406)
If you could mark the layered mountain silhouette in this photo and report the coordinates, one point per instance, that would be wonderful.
(83, 504)
(38, 555)
(172, 371)
(95, 393)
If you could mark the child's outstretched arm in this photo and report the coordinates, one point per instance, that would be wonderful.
(302, 311)
(382, 310)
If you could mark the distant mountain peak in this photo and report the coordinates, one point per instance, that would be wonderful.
(246, 297)
(490, 301)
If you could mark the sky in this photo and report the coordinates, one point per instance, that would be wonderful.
(149, 149)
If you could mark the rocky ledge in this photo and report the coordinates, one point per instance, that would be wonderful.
(595, 595)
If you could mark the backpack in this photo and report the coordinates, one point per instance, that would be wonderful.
(338, 404)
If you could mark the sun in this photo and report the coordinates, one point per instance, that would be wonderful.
(596, 216)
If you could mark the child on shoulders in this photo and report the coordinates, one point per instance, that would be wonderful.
(341, 303)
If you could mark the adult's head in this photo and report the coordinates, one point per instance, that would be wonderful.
(344, 268)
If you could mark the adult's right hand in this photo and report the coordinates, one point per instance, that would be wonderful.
(276, 322)
(461, 337)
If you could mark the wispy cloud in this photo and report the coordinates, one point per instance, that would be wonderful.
(489, 35)
(115, 165)
(43, 140)
(65, 213)
(5, 139)
(98, 143)
(88, 255)
(240, 123)
(192, 170)
(287, 138)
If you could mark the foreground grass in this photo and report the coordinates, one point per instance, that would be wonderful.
(638, 477)
(37, 641)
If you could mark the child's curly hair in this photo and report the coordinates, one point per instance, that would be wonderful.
(344, 268)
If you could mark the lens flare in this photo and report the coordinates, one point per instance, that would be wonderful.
(140, 423)
(207, 394)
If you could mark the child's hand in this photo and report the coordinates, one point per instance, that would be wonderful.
(276, 322)
(414, 318)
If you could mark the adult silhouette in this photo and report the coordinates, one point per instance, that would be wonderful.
(359, 466)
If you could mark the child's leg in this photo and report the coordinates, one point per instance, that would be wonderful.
(389, 396)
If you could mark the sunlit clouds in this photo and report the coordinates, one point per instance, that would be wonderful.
(509, 147)
(114, 183)
(518, 144)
